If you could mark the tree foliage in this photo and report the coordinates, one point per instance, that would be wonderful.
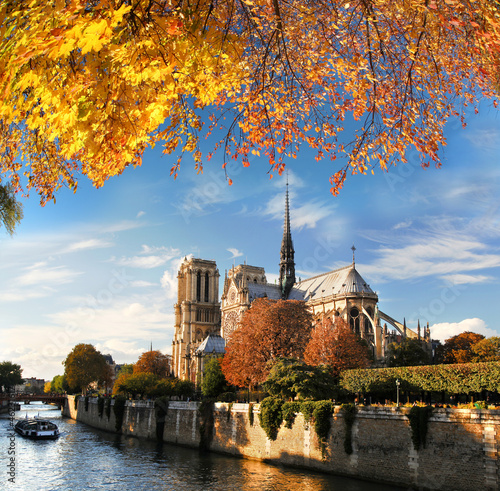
(146, 384)
(214, 382)
(84, 366)
(59, 384)
(137, 385)
(126, 368)
(153, 362)
(457, 349)
(10, 375)
(486, 350)
(408, 352)
(334, 344)
(11, 211)
(461, 378)
(269, 329)
(291, 378)
(88, 86)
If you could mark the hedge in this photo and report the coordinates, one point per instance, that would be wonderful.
(464, 378)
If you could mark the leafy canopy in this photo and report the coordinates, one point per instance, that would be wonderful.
(269, 329)
(334, 345)
(59, 384)
(84, 366)
(11, 210)
(153, 362)
(409, 352)
(214, 383)
(87, 86)
(10, 375)
(486, 350)
(291, 378)
(458, 349)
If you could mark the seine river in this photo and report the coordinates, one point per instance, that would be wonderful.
(84, 458)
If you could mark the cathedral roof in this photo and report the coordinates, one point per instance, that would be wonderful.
(213, 343)
(259, 290)
(343, 281)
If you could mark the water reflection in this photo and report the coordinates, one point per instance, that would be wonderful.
(84, 458)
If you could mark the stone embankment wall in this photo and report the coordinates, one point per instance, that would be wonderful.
(461, 451)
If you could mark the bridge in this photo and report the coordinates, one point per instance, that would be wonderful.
(57, 399)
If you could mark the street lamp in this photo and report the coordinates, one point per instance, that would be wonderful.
(398, 383)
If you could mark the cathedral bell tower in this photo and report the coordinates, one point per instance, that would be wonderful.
(287, 262)
(197, 313)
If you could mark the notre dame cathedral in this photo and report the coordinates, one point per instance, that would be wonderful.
(203, 324)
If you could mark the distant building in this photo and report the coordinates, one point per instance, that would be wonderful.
(342, 292)
(31, 386)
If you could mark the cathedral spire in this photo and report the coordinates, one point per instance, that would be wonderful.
(287, 263)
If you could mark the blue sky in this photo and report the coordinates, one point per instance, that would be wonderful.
(100, 266)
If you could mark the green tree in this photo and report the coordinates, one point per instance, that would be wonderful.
(137, 385)
(59, 384)
(84, 366)
(214, 382)
(409, 352)
(11, 211)
(486, 350)
(290, 378)
(10, 375)
(126, 369)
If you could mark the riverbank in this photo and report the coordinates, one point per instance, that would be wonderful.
(460, 453)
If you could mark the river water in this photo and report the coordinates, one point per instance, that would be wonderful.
(85, 458)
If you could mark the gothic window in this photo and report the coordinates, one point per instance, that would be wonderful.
(230, 324)
(206, 287)
(198, 286)
(354, 320)
(204, 315)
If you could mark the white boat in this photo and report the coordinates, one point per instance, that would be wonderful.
(39, 429)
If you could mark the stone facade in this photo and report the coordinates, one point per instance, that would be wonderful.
(461, 451)
(197, 314)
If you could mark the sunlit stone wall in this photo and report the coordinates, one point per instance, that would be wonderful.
(461, 452)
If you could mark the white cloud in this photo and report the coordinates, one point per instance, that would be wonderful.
(407, 223)
(169, 284)
(88, 244)
(445, 330)
(208, 190)
(40, 273)
(169, 279)
(21, 295)
(462, 279)
(234, 253)
(294, 181)
(487, 138)
(443, 248)
(140, 214)
(121, 326)
(305, 215)
(141, 284)
(151, 257)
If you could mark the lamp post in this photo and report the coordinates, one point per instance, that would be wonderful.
(398, 383)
